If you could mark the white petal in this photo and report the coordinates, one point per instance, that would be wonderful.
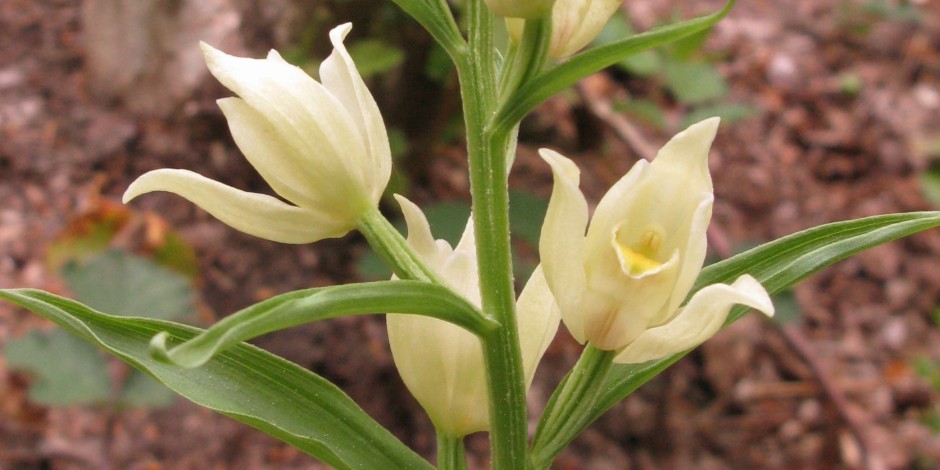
(255, 214)
(339, 75)
(537, 317)
(699, 320)
(562, 242)
(281, 166)
(442, 366)
(303, 111)
(682, 164)
(419, 233)
(693, 256)
(613, 210)
(666, 192)
(460, 271)
(626, 305)
(578, 22)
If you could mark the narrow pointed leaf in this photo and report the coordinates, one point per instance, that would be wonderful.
(530, 95)
(304, 306)
(244, 383)
(777, 265)
(435, 16)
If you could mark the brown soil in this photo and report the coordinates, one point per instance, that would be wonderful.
(834, 390)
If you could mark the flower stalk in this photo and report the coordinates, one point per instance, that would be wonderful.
(576, 392)
(393, 249)
(450, 453)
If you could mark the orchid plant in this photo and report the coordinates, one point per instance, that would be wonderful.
(627, 282)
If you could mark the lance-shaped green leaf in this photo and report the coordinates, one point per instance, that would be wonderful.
(530, 95)
(244, 383)
(304, 306)
(435, 16)
(777, 265)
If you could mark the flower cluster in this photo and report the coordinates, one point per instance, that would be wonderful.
(619, 282)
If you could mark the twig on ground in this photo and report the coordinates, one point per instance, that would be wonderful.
(601, 108)
(796, 341)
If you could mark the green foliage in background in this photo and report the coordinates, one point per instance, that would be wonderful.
(685, 72)
(69, 371)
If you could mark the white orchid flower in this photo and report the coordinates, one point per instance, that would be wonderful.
(621, 285)
(575, 23)
(320, 145)
(441, 363)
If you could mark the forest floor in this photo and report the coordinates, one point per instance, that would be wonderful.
(843, 119)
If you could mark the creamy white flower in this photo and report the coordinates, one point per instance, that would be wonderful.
(519, 8)
(575, 23)
(320, 145)
(621, 285)
(442, 364)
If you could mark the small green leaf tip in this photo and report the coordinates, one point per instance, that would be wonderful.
(158, 349)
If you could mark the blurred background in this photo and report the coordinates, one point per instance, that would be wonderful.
(831, 110)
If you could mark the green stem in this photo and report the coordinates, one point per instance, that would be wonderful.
(567, 406)
(528, 58)
(489, 187)
(393, 249)
(450, 453)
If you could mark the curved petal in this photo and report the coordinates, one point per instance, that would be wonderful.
(562, 242)
(457, 267)
(460, 269)
(612, 210)
(693, 256)
(302, 111)
(699, 320)
(340, 76)
(537, 318)
(578, 22)
(279, 164)
(255, 214)
(681, 169)
(419, 233)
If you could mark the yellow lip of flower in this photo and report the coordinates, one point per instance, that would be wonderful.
(322, 146)
(655, 220)
(640, 258)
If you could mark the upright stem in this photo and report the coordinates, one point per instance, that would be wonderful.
(489, 186)
(450, 453)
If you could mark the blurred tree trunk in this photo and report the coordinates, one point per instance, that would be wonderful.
(145, 53)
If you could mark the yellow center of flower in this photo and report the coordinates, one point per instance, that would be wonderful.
(639, 257)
